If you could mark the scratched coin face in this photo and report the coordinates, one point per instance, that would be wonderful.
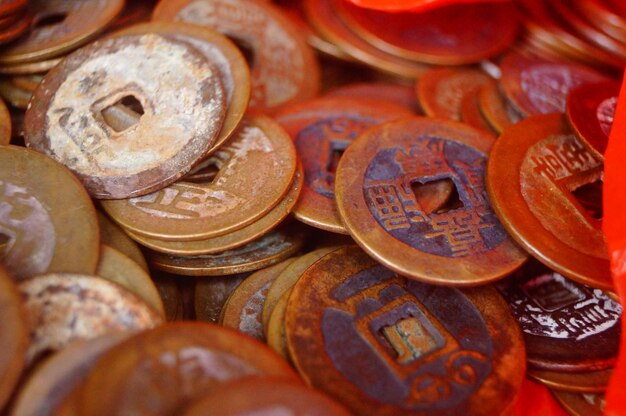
(173, 364)
(252, 173)
(283, 67)
(537, 176)
(378, 188)
(322, 129)
(128, 114)
(383, 344)
(567, 326)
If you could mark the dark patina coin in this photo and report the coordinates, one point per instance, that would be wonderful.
(581, 404)
(385, 345)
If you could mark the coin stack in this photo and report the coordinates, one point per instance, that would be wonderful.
(336, 210)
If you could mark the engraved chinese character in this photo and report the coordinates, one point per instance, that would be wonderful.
(461, 229)
(388, 207)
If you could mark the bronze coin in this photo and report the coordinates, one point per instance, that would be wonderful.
(603, 16)
(536, 86)
(377, 186)
(264, 396)
(29, 68)
(576, 382)
(171, 295)
(60, 26)
(176, 126)
(321, 130)
(16, 28)
(471, 113)
(566, 326)
(534, 172)
(440, 36)
(133, 13)
(16, 96)
(8, 7)
(267, 250)
(283, 67)
(580, 404)
(5, 124)
(211, 294)
(275, 332)
(13, 336)
(47, 221)
(252, 173)
(113, 236)
(495, 108)
(383, 344)
(399, 94)
(590, 109)
(172, 365)
(64, 307)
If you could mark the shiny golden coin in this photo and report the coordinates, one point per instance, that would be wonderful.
(5, 124)
(121, 269)
(113, 236)
(173, 365)
(575, 382)
(254, 171)
(210, 295)
(173, 95)
(461, 243)
(283, 67)
(60, 26)
(30, 67)
(267, 250)
(47, 221)
(580, 404)
(495, 108)
(63, 307)
(275, 333)
(13, 336)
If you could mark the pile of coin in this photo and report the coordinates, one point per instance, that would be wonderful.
(364, 212)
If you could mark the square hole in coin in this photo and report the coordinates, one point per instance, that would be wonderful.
(123, 114)
(590, 197)
(436, 196)
(410, 339)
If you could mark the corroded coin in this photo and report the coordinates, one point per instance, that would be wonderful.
(211, 294)
(64, 307)
(283, 67)
(47, 221)
(575, 382)
(378, 186)
(495, 108)
(322, 129)
(172, 365)
(382, 344)
(5, 124)
(60, 26)
(403, 95)
(173, 92)
(252, 173)
(581, 404)
(114, 236)
(535, 171)
(264, 396)
(566, 326)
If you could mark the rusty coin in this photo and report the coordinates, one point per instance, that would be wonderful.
(384, 344)
(581, 404)
(575, 382)
(211, 294)
(382, 91)
(322, 129)
(495, 108)
(534, 172)
(283, 67)
(172, 365)
(5, 124)
(47, 221)
(377, 186)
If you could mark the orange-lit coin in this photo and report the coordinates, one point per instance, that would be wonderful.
(211, 294)
(47, 221)
(172, 365)
(321, 130)
(382, 344)
(471, 114)
(275, 332)
(5, 124)
(495, 108)
(16, 27)
(575, 382)
(381, 91)
(535, 171)
(8, 7)
(604, 16)
(113, 236)
(283, 67)
(581, 404)
(30, 68)
(378, 187)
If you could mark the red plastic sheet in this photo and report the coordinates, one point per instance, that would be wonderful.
(413, 5)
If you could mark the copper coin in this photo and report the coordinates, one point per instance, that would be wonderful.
(244, 306)
(495, 108)
(253, 173)
(471, 113)
(536, 86)
(440, 91)
(64, 307)
(378, 183)
(581, 404)
(16, 96)
(5, 124)
(171, 295)
(603, 16)
(267, 250)
(113, 236)
(440, 36)
(322, 129)
(133, 13)
(275, 332)
(49, 384)
(283, 68)
(60, 26)
(566, 326)
(210, 295)
(381, 91)
(13, 336)
(382, 344)
(172, 365)
(235, 238)
(178, 126)
(8, 7)
(534, 172)
(16, 29)
(576, 382)
(265, 396)
(590, 109)
(29, 68)
(47, 221)
(218, 49)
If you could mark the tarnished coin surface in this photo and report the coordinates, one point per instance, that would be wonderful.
(403, 95)
(378, 186)
(581, 404)
(495, 108)
(575, 382)
(5, 124)
(211, 294)
(173, 94)
(383, 344)
(115, 237)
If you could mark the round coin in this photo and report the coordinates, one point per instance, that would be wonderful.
(47, 221)
(30, 68)
(580, 404)
(8, 7)
(575, 382)
(5, 124)
(494, 107)
(377, 186)
(535, 170)
(388, 92)
(383, 344)
(275, 333)
(210, 295)
(174, 94)
(471, 114)
(114, 236)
